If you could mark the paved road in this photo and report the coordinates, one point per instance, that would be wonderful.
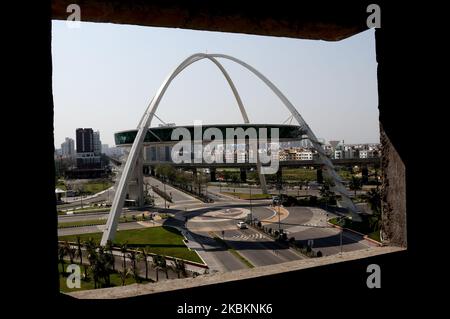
(252, 245)
(178, 197)
(256, 190)
(87, 201)
(310, 223)
(204, 220)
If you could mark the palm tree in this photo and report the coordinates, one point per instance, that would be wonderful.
(144, 256)
(180, 267)
(100, 267)
(80, 255)
(123, 250)
(163, 265)
(156, 265)
(123, 274)
(112, 260)
(374, 200)
(133, 258)
(61, 254)
(69, 251)
(91, 249)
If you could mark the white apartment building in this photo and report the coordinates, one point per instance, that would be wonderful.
(68, 148)
(296, 154)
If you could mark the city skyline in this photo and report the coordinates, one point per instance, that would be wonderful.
(105, 89)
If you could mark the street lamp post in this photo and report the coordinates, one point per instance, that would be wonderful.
(165, 202)
(279, 207)
(251, 207)
(341, 234)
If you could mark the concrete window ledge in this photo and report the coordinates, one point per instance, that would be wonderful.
(216, 278)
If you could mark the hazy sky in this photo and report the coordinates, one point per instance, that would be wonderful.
(104, 76)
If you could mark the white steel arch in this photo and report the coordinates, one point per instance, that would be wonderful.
(144, 124)
(200, 56)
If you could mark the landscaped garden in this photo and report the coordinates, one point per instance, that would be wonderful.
(157, 240)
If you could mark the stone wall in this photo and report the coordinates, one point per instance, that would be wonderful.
(393, 194)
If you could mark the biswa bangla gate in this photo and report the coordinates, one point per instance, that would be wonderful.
(144, 124)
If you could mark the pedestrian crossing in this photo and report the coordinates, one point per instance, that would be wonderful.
(254, 236)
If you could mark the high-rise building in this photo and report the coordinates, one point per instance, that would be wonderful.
(85, 140)
(86, 157)
(97, 144)
(68, 148)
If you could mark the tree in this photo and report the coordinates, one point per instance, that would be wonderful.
(91, 249)
(144, 257)
(133, 259)
(61, 255)
(163, 265)
(180, 267)
(80, 255)
(123, 274)
(160, 263)
(102, 266)
(111, 259)
(156, 265)
(355, 184)
(326, 193)
(69, 251)
(123, 250)
(374, 201)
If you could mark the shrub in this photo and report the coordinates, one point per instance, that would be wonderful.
(259, 224)
(319, 254)
(308, 249)
(284, 236)
(276, 233)
(292, 240)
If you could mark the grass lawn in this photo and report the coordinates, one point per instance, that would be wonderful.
(247, 195)
(299, 174)
(61, 185)
(375, 236)
(158, 240)
(82, 223)
(86, 285)
(99, 221)
(94, 187)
